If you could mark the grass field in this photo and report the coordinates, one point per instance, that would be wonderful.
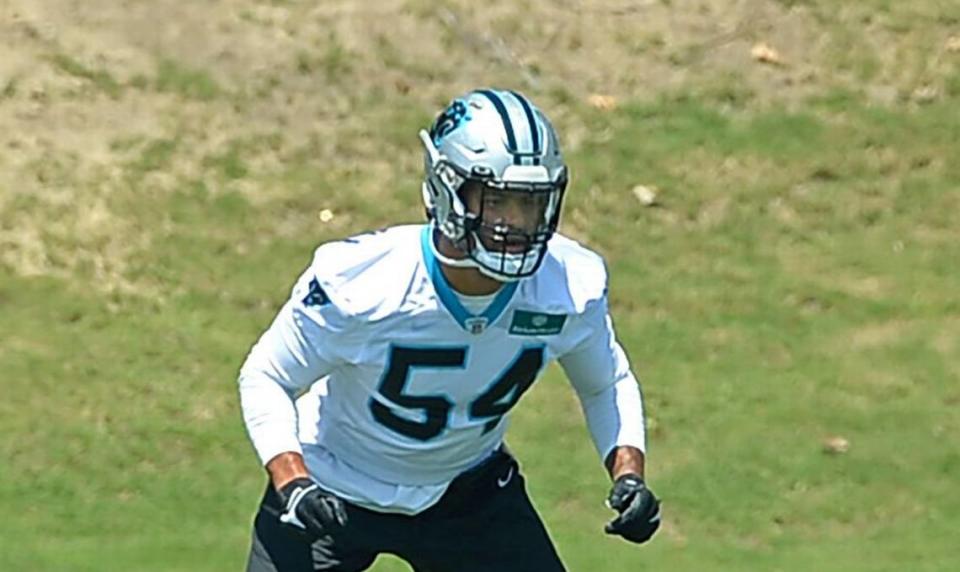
(166, 169)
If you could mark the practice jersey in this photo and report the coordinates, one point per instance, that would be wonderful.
(401, 385)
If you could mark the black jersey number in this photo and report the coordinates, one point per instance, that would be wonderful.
(494, 403)
(436, 408)
(507, 390)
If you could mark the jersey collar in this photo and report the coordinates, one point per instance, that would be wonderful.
(473, 323)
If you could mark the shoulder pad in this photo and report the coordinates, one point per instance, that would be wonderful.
(364, 274)
(572, 276)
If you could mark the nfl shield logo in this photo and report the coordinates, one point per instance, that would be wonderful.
(475, 325)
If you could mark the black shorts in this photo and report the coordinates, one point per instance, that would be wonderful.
(484, 522)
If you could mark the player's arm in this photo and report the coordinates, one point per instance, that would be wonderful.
(298, 348)
(282, 363)
(285, 468)
(624, 459)
(609, 393)
(612, 403)
(286, 360)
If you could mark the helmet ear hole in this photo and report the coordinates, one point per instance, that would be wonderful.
(481, 172)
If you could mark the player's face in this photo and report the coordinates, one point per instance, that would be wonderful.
(508, 216)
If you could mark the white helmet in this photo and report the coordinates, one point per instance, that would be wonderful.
(505, 146)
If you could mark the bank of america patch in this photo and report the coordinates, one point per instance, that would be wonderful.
(316, 296)
(536, 323)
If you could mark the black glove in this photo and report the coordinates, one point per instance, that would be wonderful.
(639, 509)
(310, 511)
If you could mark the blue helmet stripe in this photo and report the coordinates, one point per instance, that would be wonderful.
(534, 126)
(505, 116)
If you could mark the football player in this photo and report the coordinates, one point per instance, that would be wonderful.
(379, 397)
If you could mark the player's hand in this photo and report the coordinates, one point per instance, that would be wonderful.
(639, 509)
(309, 510)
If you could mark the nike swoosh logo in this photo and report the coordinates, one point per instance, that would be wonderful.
(503, 481)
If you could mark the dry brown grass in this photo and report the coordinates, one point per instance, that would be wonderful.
(83, 86)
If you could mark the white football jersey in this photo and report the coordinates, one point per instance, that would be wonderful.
(400, 387)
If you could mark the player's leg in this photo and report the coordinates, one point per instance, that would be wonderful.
(275, 549)
(487, 525)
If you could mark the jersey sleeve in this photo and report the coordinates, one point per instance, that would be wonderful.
(300, 347)
(600, 372)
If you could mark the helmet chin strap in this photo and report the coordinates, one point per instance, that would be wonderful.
(455, 262)
(465, 262)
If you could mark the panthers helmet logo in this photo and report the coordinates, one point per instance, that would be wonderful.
(448, 121)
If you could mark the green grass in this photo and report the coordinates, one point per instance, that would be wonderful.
(99, 78)
(188, 82)
(9, 88)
